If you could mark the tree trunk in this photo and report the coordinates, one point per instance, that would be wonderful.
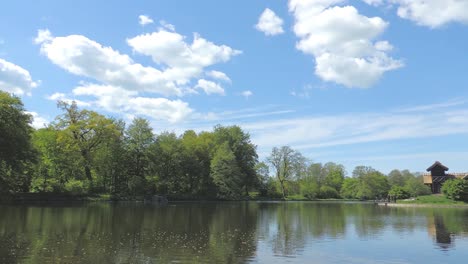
(282, 189)
(88, 172)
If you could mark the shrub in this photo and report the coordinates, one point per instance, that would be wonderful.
(415, 187)
(328, 192)
(309, 189)
(398, 192)
(456, 189)
(136, 185)
(46, 185)
(76, 187)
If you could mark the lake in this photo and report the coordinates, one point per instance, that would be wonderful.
(232, 232)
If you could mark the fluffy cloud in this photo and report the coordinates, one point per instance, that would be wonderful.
(84, 57)
(343, 42)
(115, 99)
(218, 75)
(37, 120)
(122, 80)
(433, 13)
(184, 60)
(144, 20)
(209, 87)
(63, 97)
(15, 79)
(269, 23)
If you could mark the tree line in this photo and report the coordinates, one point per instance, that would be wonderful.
(83, 152)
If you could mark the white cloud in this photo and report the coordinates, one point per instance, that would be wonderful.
(15, 79)
(56, 96)
(84, 57)
(63, 97)
(115, 99)
(218, 75)
(38, 121)
(209, 87)
(343, 42)
(433, 13)
(374, 2)
(167, 26)
(247, 94)
(145, 20)
(161, 108)
(121, 80)
(269, 23)
(184, 61)
(43, 35)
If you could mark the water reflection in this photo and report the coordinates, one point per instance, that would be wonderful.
(237, 232)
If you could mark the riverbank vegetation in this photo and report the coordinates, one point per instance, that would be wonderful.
(83, 152)
(439, 199)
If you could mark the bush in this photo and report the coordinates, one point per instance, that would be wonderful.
(327, 192)
(456, 189)
(398, 192)
(76, 187)
(309, 189)
(415, 187)
(46, 185)
(273, 189)
(136, 185)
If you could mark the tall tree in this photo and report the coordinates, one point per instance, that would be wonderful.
(244, 151)
(139, 138)
(285, 162)
(334, 175)
(167, 157)
(226, 173)
(84, 130)
(16, 151)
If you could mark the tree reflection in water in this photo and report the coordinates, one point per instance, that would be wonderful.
(229, 232)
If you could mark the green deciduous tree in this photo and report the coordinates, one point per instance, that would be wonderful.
(84, 131)
(244, 151)
(288, 164)
(398, 192)
(16, 151)
(226, 173)
(415, 187)
(456, 189)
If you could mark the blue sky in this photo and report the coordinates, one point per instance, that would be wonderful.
(382, 83)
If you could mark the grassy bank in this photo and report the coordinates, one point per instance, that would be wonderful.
(432, 199)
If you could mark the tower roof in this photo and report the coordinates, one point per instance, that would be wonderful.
(437, 163)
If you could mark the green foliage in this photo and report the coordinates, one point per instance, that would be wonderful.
(244, 151)
(16, 151)
(85, 152)
(327, 192)
(76, 187)
(398, 192)
(46, 185)
(334, 175)
(349, 188)
(309, 188)
(289, 165)
(415, 187)
(456, 189)
(367, 183)
(226, 173)
(432, 199)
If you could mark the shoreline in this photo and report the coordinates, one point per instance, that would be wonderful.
(426, 205)
(44, 198)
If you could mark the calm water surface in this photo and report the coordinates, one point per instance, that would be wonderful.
(237, 232)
